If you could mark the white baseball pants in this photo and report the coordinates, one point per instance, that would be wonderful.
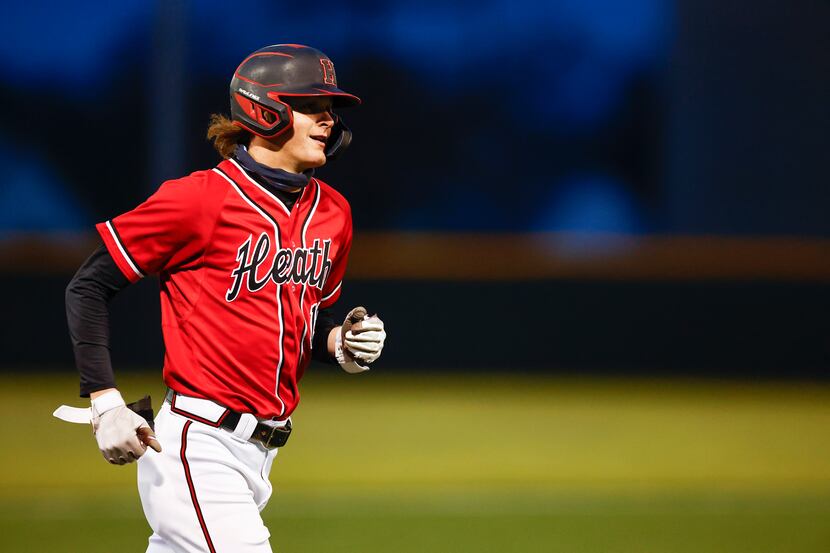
(203, 493)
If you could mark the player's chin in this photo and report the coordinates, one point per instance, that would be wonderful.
(316, 158)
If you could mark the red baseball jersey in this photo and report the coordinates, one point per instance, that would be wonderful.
(242, 279)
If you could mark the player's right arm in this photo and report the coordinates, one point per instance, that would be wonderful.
(88, 294)
(167, 232)
(122, 435)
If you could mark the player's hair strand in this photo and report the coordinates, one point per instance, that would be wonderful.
(225, 135)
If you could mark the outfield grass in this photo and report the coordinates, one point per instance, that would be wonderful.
(480, 463)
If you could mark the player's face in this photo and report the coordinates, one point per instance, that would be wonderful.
(313, 123)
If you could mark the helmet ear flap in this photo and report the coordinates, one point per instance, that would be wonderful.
(341, 137)
(268, 117)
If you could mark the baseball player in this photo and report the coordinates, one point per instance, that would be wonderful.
(250, 255)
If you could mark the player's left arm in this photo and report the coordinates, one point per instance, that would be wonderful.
(363, 342)
(359, 340)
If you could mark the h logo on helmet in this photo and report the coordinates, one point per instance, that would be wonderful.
(328, 72)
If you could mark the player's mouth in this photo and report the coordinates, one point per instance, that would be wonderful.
(320, 138)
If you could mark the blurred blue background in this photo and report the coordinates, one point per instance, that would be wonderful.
(635, 116)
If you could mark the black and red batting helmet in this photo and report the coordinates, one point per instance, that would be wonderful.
(265, 78)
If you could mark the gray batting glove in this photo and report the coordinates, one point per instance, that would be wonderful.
(122, 435)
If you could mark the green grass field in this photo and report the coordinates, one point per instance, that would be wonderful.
(477, 463)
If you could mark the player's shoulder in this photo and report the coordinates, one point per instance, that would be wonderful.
(196, 183)
(197, 194)
(329, 194)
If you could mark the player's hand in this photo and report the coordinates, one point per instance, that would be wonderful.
(365, 339)
(360, 340)
(122, 435)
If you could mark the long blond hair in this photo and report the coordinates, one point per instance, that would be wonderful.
(225, 135)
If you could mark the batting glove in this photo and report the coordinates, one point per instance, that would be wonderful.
(122, 435)
(360, 341)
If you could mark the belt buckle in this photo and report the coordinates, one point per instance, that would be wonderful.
(267, 442)
(276, 438)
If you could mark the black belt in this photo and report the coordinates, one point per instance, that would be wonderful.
(269, 436)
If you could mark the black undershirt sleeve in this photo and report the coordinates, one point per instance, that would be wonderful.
(87, 297)
(320, 343)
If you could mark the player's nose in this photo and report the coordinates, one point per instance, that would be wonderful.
(326, 117)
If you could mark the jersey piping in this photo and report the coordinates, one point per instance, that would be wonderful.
(306, 324)
(255, 183)
(336, 288)
(123, 250)
(280, 314)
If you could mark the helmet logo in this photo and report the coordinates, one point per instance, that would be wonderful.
(248, 93)
(328, 72)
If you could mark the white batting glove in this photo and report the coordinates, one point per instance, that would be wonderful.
(360, 341)
(122, 435)
(366, 343)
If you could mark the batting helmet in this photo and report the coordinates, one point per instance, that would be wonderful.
(265, 78)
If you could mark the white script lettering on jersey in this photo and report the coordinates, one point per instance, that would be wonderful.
(298, 265)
